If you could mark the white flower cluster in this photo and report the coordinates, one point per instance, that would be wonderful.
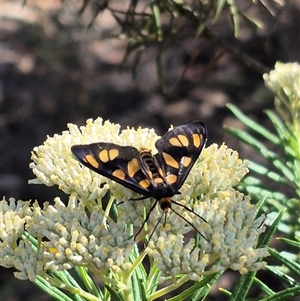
(228, 241)
(15, 253)
(284, 81)
(71, 237)
(218, 169)
(80, 234)
(285, 76)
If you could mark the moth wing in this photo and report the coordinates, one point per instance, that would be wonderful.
(179, 149)
(118, 163)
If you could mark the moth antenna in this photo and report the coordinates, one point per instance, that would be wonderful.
(155, 227)
(191, 224)
(188, 209)
(146, 219)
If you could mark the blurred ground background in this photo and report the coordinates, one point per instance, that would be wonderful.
(55, 70)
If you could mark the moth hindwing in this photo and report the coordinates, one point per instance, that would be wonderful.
(160, 175)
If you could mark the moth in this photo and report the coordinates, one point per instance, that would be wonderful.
(159, 175)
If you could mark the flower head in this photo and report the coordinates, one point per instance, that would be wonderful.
(229, 236)
(284, 81)
(81, 233)
(15, 252)
(68, 237)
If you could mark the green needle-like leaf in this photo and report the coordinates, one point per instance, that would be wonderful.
(292, 265)
(254, 125)
(242, 287)
(54, 292)
(260, 147)
(263, 287)
(285, 295)
(114, 294)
